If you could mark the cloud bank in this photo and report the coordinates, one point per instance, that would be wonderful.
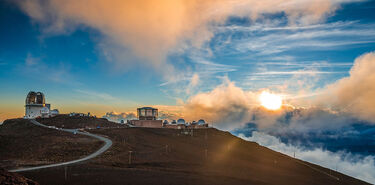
(343, 102)
(356, 94)
(146, 31)
(117, 117)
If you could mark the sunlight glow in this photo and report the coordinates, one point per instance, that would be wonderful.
(270, 101)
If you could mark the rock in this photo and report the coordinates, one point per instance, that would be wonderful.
(8, 178)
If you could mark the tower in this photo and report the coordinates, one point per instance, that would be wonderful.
(35, 105)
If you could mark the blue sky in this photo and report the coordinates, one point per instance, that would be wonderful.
(77, 74)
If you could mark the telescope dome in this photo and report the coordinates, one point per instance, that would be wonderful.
(201, 122)
(35, 98)
(181, 121)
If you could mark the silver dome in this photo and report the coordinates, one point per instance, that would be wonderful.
(201, 122)
(181, 121)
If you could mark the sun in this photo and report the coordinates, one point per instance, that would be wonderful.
(270, 101)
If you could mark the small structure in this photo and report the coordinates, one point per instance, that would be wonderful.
(181, 124)
(147, 113)
(181, 121)
(147, 117)
(80, 114)
(35, 106)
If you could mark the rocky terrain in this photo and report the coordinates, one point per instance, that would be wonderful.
(25, 144)
(7, 178)
(66, 121)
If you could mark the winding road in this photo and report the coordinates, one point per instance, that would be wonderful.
(108, 143)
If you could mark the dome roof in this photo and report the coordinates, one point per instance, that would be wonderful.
(181, 121)
(35, 98)
(44, 110)
(201, 122)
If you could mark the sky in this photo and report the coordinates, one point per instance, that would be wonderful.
(166, 52)
(205, 60)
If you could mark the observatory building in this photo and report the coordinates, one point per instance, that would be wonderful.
(35, 106)
(147, 113)
(147, 117)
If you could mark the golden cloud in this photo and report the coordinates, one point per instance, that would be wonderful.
(356, 94)
(147, 30)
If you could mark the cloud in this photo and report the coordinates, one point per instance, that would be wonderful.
(341, 103)
(194, 81)
(276, 37)
(299, 72)
(227, 106)
(30, 60)
(355, 94)
(97, 95)
(36, 68)
(147, 31)
(347, 163)
(117, 117)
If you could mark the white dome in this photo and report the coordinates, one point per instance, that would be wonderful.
(201, 122)
(55, 112)
(181, 121)
(44, 110)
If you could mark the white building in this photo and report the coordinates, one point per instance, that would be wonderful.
(35, 106)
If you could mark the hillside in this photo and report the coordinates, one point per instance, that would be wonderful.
(7, 178)
(25, 144)
(66, 121)
(206, 156)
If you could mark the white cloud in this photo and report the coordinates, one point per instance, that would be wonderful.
(275, 37)
(355, 94)
(299, 72)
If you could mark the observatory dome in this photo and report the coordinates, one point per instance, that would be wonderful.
(35, 98)
(181, 121)
(201, 122)
(44, 110)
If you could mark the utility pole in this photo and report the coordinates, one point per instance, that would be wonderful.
(206, 153)
(130, 157)
(66, 173)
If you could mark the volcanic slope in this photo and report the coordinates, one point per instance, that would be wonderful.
(24, 144)
(8, 178)
(205, 156)
(66, 121)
